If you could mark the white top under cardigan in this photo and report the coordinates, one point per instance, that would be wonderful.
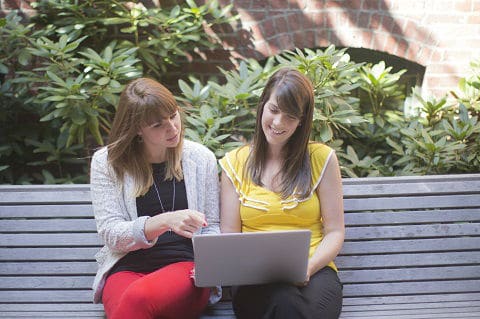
(115, 208)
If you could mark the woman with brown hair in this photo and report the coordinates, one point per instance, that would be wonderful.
(283, 181)
(151, 192)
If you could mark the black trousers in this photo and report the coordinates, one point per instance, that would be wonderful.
(320, 299)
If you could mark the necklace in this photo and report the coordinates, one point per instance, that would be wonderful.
(160, 198)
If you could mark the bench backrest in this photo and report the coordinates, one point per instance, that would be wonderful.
(408, 238)
(411, 239)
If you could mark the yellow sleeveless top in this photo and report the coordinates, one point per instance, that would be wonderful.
(264, 210)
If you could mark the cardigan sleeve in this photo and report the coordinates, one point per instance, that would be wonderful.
(120, 230)
(212, 209)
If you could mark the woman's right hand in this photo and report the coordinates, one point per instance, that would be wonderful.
(183, 222)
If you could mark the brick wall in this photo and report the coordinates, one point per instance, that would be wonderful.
(442, 35)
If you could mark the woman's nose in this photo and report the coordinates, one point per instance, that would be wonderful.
(277, 119)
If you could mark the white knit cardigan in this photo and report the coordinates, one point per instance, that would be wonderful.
(115, 209)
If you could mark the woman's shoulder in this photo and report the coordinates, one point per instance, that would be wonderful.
(235, 159)
(193, 149)
(239, 154)
(100, 155)
(316, 149)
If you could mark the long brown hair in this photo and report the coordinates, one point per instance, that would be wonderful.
(143, 102)
(294, 93)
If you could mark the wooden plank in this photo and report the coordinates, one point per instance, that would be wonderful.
(412, 179)
(407, 260)
(47, 225)
(409, 184)
(48, 254)
(389, 246)
(409, 274)
(413, 231)
(412, 217)
(464, 313)
(47, 268)
(44, 194)
(411, 299)
(46, 282)
(53, 240)
(417, 311)
(65, 307)
(40, 211)
(415, 188)
(409, 306)
(414, 203)
(406, 288)
(35, 315)
(39, 296)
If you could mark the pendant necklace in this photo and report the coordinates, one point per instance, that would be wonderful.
(160, 198)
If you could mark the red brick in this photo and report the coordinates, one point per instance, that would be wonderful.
(259, 5)
(284, 42)
(375, 21)
(310, 39)
(281, 25)
(294, 22)
(308, 20)
(274, 49)
(268, 28)
(370, 5)
(322, 38)
(390, 44)
(299, 40)
(352, 4)
(363, 20)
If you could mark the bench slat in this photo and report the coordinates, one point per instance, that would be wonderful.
(71, 307)
(460, 313)
(413, 231)
(419, 287)
(56, 314)
(407, 260)
(45, 194)
(396, 203)
(409, 306)
(47, 225)
(410, 245)
(411, 217)
(46, 282)
(54, 240)
(410, 299)
(48, 268)
(48, 254)
(409, 274)
(53, 296)
(38, 211)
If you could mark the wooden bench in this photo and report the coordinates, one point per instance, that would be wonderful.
(412, 250)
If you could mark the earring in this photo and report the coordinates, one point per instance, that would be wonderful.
(139, 139)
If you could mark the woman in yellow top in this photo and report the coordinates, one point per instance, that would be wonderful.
(283, 181)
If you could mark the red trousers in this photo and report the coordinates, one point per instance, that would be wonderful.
(166, 293)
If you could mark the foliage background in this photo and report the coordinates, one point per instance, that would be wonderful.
(61, 76)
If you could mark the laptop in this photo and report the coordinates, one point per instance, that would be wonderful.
(229, 259)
